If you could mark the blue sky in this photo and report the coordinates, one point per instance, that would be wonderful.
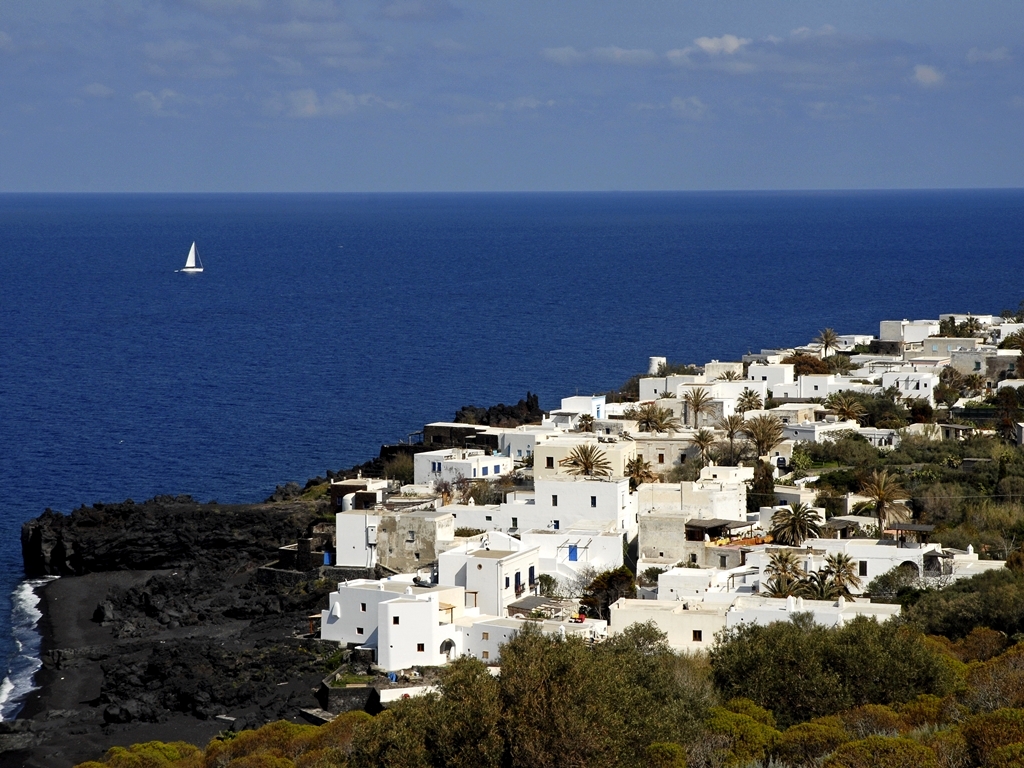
(445, 95)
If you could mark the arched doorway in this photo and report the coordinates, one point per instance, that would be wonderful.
(447, 649)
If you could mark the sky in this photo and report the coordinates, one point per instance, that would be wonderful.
(451, 95)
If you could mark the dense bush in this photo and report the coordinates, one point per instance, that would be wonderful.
(882, 752)
(807, 743)
(800, 670)
(993, 599)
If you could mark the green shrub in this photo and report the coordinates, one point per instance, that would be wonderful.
(871, 720)
(1010, 756)
(988, 732)
(808, 743)
(750, 740)
(662, 754)
(746, 707)
(882, 752)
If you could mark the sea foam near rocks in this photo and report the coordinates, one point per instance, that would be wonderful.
(26, 661)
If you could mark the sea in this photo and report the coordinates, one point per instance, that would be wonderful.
(326, 325)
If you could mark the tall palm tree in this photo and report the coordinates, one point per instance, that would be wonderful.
(650, 417)
(639, 472)
(587, 460)
(885, 491)
(749, 400)
(729, 376)
(698, 400)
(585, 423)
(703, 441)
(794, 524)
(845, 406)
(765, 432)
(828, 339)
(843, 570)
(732, 426)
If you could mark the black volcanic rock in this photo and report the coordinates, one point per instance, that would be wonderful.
(167, 532)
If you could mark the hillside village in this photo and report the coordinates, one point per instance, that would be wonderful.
(700, 504)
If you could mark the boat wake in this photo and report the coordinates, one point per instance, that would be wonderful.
(26, 661)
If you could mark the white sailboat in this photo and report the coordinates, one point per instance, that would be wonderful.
(193, 263)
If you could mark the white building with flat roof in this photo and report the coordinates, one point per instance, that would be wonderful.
(491, 577)
(451, 464)
(692, 625)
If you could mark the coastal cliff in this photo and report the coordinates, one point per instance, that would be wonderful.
(159, 627)
(165, 532)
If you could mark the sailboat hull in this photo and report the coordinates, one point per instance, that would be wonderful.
(191, 269)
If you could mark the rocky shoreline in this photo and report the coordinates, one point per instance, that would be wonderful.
(160, 629)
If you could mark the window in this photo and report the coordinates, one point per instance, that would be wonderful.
(550, 462)
(573, 554)
(485, 655)
(554, 500)
(417, 555)
(419, 647)
(593, 501)
(506, 582)
(722, 561)
(394, 620)
(484, 471)
(359, 630)
(488, 518)
(515, 522)
(411, 536)
(815, 387)
(519, 452)
(362, 607)
(485, 635)
(661, 554)
(977, 366)
(554, 524)
(862, 569)
(693, 558)
(661, 458)
(474, 471)
(764, 378)
(497, 469)
(698, 635)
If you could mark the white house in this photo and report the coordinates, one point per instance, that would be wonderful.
(907, 331)
(450, 464)
(549, 455)
(773, 375)
(692, 625)
(491, 577)
(586, 544)
(912, 385)
(356, 538)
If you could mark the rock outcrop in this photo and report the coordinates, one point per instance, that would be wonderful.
(166, 532)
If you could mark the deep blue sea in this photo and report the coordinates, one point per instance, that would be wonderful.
(325, 325)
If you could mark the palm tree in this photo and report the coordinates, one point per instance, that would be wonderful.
(639, 472)
(1013, 341)
(698, 400)
(846, 407)
(703, 441)
(885, 490)
(843, 570)
(784, 574)
(729, 376)
(732, 426)
(974, 384)
(585, 423)
(650, 417)
(765, 432)
(794, 524)
(749, 400)
(785, 563)
(819, 585)
(828, 339)
(587, 460)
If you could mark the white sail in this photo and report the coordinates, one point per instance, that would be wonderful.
(193, 263)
